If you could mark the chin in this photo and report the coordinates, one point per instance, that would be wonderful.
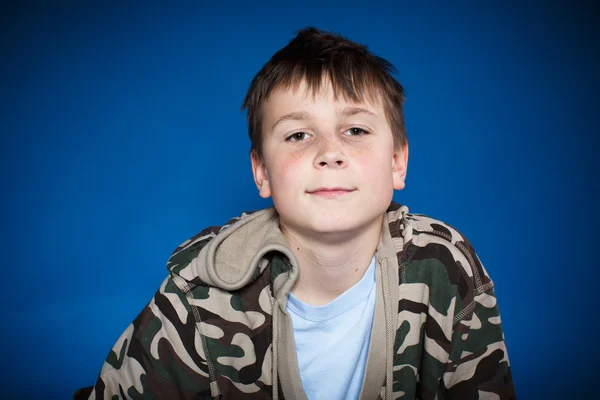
(336, 225)
(340, 220)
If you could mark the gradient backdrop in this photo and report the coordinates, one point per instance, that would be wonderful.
(122, 136)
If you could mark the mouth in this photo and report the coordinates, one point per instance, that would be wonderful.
(330, 191)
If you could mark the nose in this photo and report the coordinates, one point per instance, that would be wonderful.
(330, 154)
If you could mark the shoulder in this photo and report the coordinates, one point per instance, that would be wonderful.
(420, 229)
(439, 252)
(187, 251)
(200, 239)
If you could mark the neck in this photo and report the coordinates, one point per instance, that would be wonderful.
(330, 267)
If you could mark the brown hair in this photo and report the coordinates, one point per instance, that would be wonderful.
(353, 70)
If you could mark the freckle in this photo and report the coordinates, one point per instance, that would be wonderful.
(297, 248)
(356, 270)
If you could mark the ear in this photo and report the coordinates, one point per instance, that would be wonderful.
(399, 166)
(261, 176)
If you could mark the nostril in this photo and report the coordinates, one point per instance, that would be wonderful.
(322, 163)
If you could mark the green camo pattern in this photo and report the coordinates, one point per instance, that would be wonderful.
(190, 338)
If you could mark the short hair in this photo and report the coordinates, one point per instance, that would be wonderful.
(354, 72)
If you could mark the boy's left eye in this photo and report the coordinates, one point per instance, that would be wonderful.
(355, 132)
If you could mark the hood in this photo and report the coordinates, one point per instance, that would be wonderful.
(232, 256)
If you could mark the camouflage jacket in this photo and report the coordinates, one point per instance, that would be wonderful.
(218, 326)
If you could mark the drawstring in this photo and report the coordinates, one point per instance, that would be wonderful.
(389, 332)
(274, 346)
(186, 288)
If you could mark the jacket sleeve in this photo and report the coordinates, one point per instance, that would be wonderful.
(158, 356)
(478, 367)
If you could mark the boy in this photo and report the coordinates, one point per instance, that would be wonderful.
(336, 292)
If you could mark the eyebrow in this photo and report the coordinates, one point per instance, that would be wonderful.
(295, 116)
(302, 115)
(349, 111)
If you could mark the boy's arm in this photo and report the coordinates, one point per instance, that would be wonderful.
(478, 366)
(158, 356)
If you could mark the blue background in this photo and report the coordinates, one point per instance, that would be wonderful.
(122, 136)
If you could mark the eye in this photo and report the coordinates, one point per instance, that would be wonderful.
(297, 137)
(355, 131)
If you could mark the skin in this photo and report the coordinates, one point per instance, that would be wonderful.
(331, 167)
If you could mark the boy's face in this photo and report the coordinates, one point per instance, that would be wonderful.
(330, 166)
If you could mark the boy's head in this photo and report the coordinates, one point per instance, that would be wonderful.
(316, 56)
(328, 138)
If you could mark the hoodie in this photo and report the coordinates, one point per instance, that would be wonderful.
(218, 328)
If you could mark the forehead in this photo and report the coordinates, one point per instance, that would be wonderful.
(285, 98)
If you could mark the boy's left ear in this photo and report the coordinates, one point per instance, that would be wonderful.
(399, 166)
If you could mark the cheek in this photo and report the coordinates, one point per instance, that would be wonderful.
(286, 170)
(374, 162)
(376, 169)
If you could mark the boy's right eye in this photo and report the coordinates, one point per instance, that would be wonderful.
(297, 137)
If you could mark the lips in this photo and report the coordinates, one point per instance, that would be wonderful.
(331, 191)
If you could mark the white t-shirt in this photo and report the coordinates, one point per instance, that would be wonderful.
(332, 341)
